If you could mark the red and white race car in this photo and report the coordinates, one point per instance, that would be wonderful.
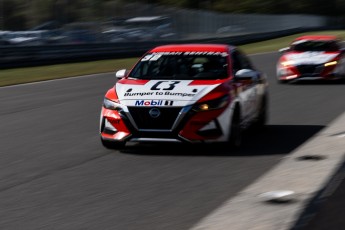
(310, 58)
(184, 93)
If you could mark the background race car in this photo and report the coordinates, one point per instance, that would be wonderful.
(310, 58)
(184, 93)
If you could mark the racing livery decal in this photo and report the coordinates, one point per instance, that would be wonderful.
(181, 92)
(308, 58)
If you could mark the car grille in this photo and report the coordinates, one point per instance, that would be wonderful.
(164, 121)
(309, 69)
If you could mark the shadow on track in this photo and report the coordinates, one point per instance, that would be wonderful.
(273, 139)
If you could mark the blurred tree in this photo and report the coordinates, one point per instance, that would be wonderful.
(13, 16)
(324, 7)
(40, 11)
(20, 14)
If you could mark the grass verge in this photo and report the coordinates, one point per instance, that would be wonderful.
(41, 73)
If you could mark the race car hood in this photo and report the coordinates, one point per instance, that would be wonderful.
(309, 58)
(162, 92)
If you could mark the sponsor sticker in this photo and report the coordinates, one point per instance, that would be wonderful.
(138, 94)
(153, 103)
(156, 56)
(180, 94)
(311, 57)
(167, 93)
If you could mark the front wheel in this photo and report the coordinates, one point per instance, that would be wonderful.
(235, 138)
(113, 144)
(263, 113)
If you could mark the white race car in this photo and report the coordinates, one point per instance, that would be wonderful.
(312, 57)
(184, 93)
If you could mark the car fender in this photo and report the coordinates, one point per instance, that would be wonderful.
(226, 117)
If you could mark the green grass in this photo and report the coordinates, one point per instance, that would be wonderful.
(41, 73)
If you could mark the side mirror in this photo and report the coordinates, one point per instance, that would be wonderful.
(285, 49)
(246, 74)
(121, 73)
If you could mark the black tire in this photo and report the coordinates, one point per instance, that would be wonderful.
(235, 138)
(113, 144)
(263, 113)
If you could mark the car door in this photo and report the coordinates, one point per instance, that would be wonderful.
(248, 92)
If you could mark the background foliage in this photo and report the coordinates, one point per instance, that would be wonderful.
(25, 14)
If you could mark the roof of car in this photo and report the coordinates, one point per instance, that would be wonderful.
(318, 37)
(193, 48)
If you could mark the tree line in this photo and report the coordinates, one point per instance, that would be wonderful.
(317, 7)
(24, 14)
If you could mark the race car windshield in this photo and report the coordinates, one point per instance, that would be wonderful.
(182, 66)
(329, 46)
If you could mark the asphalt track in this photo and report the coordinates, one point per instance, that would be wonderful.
(54, 173)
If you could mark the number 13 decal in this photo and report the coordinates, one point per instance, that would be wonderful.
(165, 85)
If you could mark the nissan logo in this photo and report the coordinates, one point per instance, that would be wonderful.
(154, 113)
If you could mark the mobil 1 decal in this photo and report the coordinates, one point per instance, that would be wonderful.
(154, 103)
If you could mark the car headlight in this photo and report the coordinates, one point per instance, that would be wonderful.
(287, 63)
(330, 63)
(109, 104)
(213, 104)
